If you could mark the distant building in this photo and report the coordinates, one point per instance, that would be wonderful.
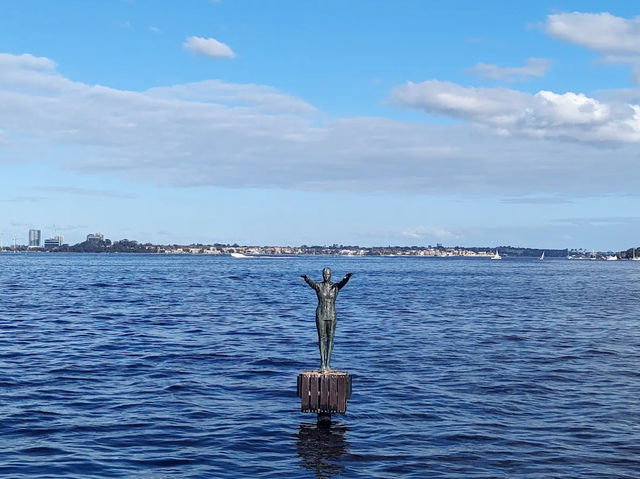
(95, 237)
(54, 242)
(35, 237)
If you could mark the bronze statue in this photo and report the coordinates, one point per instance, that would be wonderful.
(327, 293)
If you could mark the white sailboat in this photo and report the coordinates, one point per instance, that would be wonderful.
(542, 256)
(496, 256)
(612, 257)
(634, 257)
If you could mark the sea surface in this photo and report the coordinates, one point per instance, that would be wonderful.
(151, 366)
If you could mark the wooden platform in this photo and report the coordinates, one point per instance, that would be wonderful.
(324, 391)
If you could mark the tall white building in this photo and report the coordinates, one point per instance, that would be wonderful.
(35, 238)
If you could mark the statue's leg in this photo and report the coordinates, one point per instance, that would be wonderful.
(321, 342)
(331, 329)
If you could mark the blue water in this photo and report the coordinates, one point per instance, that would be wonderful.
(185, 366)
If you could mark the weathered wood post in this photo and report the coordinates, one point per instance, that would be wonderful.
(325, 391)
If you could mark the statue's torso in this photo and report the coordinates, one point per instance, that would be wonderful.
(327, 293)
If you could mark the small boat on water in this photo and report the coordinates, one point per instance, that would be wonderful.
(542, 256)
(612, 257)
(496, 256)
(260, 256)
(634, 257)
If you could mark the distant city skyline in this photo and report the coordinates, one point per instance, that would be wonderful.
(288, 123)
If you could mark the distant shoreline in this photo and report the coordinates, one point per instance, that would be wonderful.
(239, 251)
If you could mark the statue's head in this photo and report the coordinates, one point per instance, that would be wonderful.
(326, 274)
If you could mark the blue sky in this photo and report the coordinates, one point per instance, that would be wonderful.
(321, 122)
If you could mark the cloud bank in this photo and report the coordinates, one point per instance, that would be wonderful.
(214, 133)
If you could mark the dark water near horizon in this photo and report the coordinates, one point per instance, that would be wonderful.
(185, 366)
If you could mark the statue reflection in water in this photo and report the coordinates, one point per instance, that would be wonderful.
(320, 449)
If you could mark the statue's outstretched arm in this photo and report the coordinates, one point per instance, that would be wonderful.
(309, 281)
(344, 280)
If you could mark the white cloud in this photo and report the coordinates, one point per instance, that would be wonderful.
(436, 96)
(533, 67)
(234, 135)
(569, 116)
(209, 47)
(601, 32)
(574, 109)
(617, 39)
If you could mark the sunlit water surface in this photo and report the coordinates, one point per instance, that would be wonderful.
(185, 366)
